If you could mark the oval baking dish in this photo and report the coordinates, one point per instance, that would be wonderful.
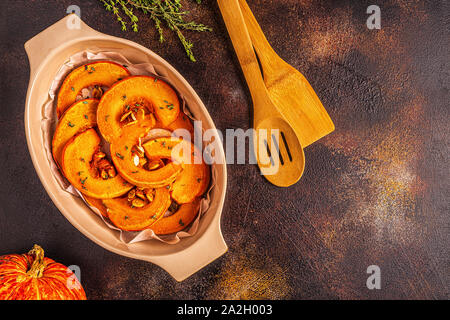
(47, 51)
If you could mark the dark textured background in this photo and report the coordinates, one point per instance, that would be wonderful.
(374, 192)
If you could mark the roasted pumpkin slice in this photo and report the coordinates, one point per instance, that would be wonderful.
(80, 116)
(97, 203)
(181, 122)
(100, 73)
(134, 219)
(132, 165)
(194, 178)
(77, 158)
(132, 101)
(185, 214)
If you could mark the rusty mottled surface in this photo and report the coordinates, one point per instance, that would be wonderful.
(374, 192)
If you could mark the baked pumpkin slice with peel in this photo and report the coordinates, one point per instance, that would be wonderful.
(194, 178)
(181, 122)
(87, 169)
(78, 117)
(129, 159)
(99, 73)
(135, 101)
(179, 220)
(98, 204)
(126, 217)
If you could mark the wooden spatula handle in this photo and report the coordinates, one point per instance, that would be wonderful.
(242, 44)
(265, 52)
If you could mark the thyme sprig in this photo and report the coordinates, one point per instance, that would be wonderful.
(169, 11)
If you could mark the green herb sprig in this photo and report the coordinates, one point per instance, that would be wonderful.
(169, 11)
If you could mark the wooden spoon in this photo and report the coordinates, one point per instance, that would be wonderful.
(276, 145)
(288, 88)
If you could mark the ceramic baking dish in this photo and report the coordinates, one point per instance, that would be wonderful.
(47, 51)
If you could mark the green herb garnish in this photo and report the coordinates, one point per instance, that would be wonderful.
(119, 155)
(168, 11)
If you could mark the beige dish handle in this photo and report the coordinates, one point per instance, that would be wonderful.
(205, 250)
(65, 30)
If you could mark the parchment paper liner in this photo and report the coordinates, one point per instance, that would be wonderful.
(49, 121)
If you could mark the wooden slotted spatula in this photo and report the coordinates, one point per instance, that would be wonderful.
(288, 88)
(277, 147)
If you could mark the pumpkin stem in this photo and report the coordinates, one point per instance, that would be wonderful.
(37, 268)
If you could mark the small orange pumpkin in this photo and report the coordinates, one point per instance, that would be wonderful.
(35, 277)
(195, 176)
(78, 117)
(135, 219)
(185, 214)
(100, 73)
(76, 164)
(136, 92)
